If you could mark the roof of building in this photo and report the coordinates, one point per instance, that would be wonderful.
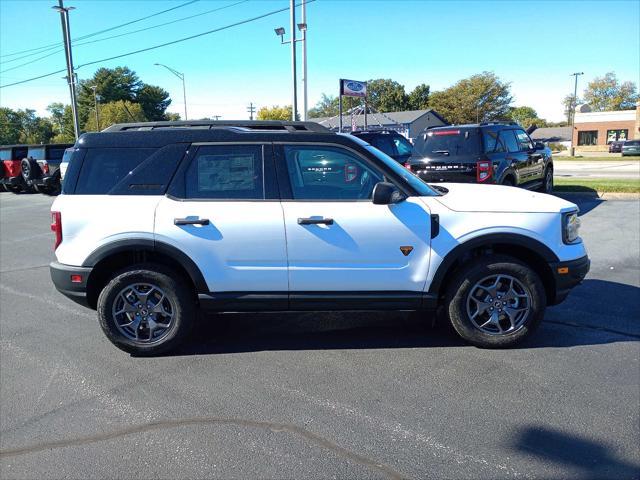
(552, 134)
(382, 118)
(608, 116)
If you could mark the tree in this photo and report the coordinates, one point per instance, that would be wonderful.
(419, 97)
(606, 93)
(10, 126)
(526, 116)
(62, 121)
(154, 101)
(326, 107)
(481, 97)
(386, 95)
(275, 113)
(121, 111)
(570, 102)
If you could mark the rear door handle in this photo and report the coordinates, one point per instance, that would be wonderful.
(315, 221)
(191, 221)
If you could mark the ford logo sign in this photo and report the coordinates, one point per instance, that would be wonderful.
(355, 86)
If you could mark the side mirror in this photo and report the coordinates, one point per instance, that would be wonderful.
(385, 193)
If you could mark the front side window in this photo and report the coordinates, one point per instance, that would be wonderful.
(588, 137)
(226, 172)
(524, 142)
(509, 140)
(329, 173)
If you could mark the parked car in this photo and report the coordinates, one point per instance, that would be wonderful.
(389, 141)
(11, 156)
(631, 148)
(492, 152)
(616, 146)
(40, 169)
(159, 219)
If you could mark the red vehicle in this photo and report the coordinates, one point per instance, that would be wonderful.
(11, 157)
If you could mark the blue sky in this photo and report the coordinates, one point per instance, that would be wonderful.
(535, 45)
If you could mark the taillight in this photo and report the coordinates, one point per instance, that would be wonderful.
(484, 171)
(56, 227)
(407, 165)
(45, 168)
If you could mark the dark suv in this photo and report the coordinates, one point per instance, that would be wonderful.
(499, 153)
(389, 142)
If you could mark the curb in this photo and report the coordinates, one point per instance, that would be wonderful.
(599, 195)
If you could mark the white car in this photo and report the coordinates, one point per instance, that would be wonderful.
(159, 219)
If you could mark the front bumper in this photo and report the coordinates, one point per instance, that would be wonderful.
(61, 276)
(568, 275)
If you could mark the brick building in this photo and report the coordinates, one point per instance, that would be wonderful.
(593, 131)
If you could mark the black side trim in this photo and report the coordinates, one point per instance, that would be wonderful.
(492, 239)
(245, 301)
(146, 244)
(435, 225)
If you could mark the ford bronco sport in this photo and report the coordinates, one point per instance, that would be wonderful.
(158, 219)
(492, 152)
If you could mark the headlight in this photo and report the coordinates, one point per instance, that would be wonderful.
(570, 227)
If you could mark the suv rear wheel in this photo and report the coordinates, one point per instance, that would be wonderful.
(547, 181)
(146, 310)
(495, 302)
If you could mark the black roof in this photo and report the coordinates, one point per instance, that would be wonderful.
(158, 134)
(477, 125)
(65, 145)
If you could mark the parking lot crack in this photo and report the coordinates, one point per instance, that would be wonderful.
(213, 421)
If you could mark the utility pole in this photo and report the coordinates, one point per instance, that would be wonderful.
(573, 109)
(294, 98)
(95, 99)
(303, 28)
(71, 77)
(251, 109)
(216, 117)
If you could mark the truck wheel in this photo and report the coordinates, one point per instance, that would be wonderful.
(495, 301)
(547, 181)
(30, 169)
(146, 310)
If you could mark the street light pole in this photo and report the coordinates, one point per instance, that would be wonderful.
(294, 98)
(95, 100)
(573, 109)
(71, 78)
(303, 27)
(184, 88)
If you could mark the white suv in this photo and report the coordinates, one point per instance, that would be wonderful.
(159, 219)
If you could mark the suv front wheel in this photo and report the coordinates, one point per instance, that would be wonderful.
(146, 310)
(495, 301)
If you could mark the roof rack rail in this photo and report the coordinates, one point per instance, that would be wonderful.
(251, 125)
(500, 122)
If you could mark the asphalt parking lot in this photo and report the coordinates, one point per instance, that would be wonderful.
(321, 395)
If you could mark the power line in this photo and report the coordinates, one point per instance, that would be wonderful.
(113, 36)
(173, 42)
(31, 61)
(103, 31)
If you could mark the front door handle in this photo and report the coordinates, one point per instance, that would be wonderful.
(191, 221)
(315, 221)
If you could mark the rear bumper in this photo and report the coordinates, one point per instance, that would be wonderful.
(45, 181)
(61, 276)
(567, 275)
(433, 176)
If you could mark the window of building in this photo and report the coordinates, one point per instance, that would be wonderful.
(617, 135)
(588, 137)
(226, 172)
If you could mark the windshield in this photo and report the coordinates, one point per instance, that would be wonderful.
(418, 185)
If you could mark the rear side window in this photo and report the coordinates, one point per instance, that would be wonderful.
(226, 172)
(5, 154)
(55, 153)
(492, 142)
(19, 153)
(37, 153)
(103, 168)
(509, 139)
(452, 142)
(632, 143)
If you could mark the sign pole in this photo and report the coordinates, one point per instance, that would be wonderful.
(365, 112)
(340, 108)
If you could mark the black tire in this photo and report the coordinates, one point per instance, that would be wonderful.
(508, 182)
(174, 287)
(469, 276)
(547, 181)
(30, 169)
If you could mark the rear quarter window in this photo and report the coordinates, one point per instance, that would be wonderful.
(5, 154)
(37, 153)
(103, 168)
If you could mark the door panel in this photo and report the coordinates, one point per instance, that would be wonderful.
(224, 223)
(360, 250)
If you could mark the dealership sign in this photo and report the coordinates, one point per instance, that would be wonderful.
(353, 88)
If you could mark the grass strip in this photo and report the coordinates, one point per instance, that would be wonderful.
(614, 185)
(558, 158)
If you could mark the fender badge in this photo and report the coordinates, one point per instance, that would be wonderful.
(406, 250)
